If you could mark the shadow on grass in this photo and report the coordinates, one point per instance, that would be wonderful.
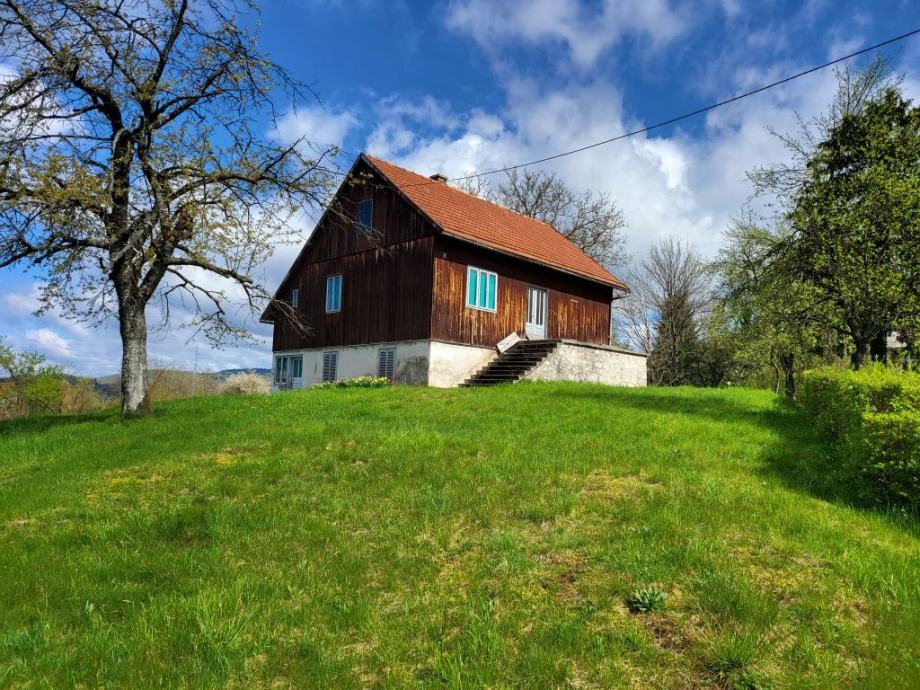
(801, 457)
(37, 424)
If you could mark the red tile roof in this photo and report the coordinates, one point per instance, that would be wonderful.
(476, 220)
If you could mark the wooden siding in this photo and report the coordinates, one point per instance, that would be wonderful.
(578, 309)
(410, 283)
(395, 221)
(386, 282)
(386, 296)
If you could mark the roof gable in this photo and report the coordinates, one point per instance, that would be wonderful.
(481, 222)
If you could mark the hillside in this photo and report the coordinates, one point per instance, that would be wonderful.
(447, 538)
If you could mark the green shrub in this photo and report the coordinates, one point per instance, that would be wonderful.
(873, 415)
(356, 382)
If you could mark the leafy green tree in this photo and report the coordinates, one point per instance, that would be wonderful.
(775, 319)
(856, 222)
(32, 385)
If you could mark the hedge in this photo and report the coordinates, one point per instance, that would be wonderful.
(873, 416)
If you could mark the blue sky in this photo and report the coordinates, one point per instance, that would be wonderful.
(467, 85)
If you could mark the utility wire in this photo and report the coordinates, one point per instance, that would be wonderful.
(678, 118)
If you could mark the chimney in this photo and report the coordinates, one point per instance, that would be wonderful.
(438, 177)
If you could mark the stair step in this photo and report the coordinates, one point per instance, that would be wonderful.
(513, 364)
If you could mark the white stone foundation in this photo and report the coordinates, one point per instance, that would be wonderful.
(574, 361)
(444, 365)
(418, 362)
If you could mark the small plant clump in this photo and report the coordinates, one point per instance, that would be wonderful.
(646, 600)
(357, 382)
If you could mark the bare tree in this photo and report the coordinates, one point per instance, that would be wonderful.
(133, 167)
(591, 220)
(634, 315)
(856, 86)
(663, 315)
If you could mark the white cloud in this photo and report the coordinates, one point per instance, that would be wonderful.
(49, 342)
(586, 33)
(668, 184)
(314, 124)
(21, 303)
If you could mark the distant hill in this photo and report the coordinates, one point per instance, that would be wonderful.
(223, 374)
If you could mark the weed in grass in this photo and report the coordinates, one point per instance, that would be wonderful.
(646, 600)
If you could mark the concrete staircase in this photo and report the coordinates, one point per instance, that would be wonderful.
(513, 364)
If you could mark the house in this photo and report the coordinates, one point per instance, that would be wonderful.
(409, 278)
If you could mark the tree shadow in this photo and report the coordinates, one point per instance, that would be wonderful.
(802, 458)
(37, 424)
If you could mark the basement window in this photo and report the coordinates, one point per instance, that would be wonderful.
(386, 362)
(333, 293)
(330, 366)
(481, 289)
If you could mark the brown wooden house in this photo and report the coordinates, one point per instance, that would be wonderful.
(410, 278)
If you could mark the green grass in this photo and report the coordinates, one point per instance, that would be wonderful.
(462, 538)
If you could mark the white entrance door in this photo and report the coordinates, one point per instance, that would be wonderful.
(536, 312)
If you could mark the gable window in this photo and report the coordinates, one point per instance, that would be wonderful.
(295, 298)
(386, 362)
(330, 366)
(333, 293)
(365, 216)
(481, 289)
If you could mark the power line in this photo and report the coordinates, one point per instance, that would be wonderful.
(678, 118)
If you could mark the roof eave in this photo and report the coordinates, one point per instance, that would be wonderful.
(521, 257)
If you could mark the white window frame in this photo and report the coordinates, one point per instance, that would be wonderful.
(480, 274)
(282, 364)
(386, 360)
(284, 369)
(337, 308)
(333, 357)
(295, 298)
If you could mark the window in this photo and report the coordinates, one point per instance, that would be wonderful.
(281, 369)
(386, 362)
(365, 216)
(287, 369)
(295, 298)
(481, 289)
(330, 365)
(333, 293)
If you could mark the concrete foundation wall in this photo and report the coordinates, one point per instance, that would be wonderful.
(361, 360)
(451, 364)
(443, 365)
(573, 361)
(418, 362)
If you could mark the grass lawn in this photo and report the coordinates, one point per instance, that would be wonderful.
(447, 538)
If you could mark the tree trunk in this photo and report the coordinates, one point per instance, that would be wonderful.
(860, 353)
(133, 326)
(788, 364)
